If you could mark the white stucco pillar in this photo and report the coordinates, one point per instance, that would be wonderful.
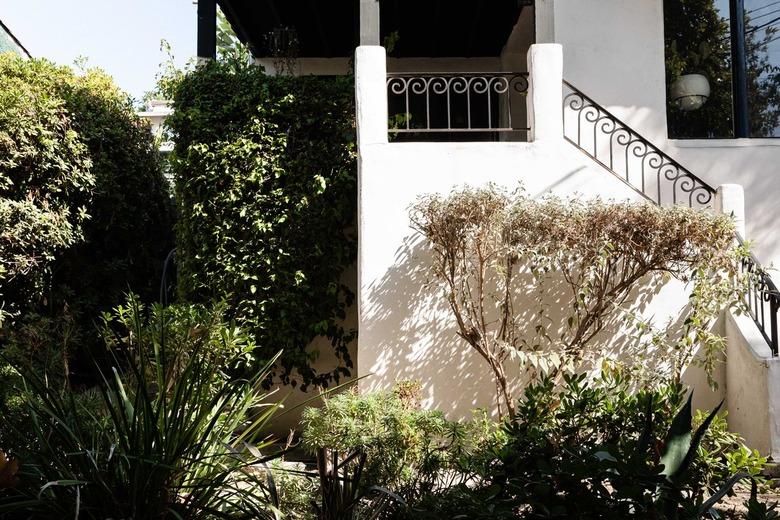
(371, 94)
(545, 93)
(730, 200)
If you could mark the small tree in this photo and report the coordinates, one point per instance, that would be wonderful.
(483, 240)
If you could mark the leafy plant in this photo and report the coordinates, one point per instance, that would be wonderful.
(592, 450)
(166, 443)
(598, 254)
(85, 210)
(265, 178)
(404, 448)
(723, 453)
(758, 510)
(343, 495)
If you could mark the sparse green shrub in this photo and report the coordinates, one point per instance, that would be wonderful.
(296, 489)
(723, 453)
(265, 176)
(408, 450)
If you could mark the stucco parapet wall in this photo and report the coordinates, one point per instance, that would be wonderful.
(755, 342)
(753, 388)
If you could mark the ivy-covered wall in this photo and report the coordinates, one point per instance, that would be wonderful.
(265, 175)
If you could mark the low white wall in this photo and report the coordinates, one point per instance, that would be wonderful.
(750, 373)
(406, 327)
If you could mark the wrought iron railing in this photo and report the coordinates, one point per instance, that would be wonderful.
(762, 300)
(628, 155)
(457, 102)
(662, 180)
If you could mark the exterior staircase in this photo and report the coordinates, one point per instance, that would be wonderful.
(661, 180)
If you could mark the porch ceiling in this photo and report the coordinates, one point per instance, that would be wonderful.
(426, 28)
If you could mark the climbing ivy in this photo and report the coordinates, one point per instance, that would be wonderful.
(265, 177)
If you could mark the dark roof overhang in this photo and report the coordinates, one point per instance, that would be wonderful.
(426, 28)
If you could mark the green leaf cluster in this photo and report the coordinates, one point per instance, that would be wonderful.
(164, 437)
(265, 175)
(85, 209)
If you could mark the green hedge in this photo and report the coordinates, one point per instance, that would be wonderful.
(46, 182)
(85, 210)
(265, 171)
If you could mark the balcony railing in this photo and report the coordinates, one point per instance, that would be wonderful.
(662, 180)
(458, 102)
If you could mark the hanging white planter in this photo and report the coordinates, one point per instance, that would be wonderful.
(690, 91)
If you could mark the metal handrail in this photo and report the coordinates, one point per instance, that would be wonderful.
(485, 99)
(638, 161)
(629, 155)
(762, 299)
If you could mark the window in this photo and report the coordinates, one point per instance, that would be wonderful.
(703, 40)
(762, 52)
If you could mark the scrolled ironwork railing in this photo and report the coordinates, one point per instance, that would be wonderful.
(662, 180)
(628, 155)
(762, 300)
(457, 102)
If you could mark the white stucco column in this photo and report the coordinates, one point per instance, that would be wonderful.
(371, 94)
(730, 200)
(545, 93)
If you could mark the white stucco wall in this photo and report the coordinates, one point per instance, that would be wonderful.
(406, 329)
(752, 386)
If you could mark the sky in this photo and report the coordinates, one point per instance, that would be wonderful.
(120, 36)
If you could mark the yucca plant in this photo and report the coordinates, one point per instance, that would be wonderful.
(343, 495)
(167, 443)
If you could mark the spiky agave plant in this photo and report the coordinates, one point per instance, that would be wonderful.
(679, 454)
(167, 444)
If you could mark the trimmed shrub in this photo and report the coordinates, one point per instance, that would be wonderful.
(85, 209)
(265, 178)
(46, 181)
(484, 240)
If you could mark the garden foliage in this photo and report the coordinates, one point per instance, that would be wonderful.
(409, 450)
(497, 253)
(265, 178)
(597, 450)
(164, 437)
(84, 207)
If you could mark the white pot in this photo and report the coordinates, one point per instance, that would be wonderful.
(690, 91)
